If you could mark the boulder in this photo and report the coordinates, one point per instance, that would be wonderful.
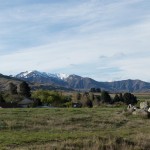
(144, 105)
(131, 108)
(141, 112)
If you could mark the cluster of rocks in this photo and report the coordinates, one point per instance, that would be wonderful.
(143, 111)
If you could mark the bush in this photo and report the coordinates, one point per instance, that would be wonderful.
(51, 98)
(105, 97)
(129, 99)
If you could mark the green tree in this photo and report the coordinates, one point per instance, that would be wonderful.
(116, 98)
(105, 97)
(51, 97)
(129, 99)
(12, 88)
(25, 89)
(121, 97)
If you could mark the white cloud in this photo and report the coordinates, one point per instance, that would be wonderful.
(50, 37)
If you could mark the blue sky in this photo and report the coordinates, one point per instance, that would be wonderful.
(104, 39)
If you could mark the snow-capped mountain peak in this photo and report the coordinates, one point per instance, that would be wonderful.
(23, 74)
(34, 73)
(62, 75)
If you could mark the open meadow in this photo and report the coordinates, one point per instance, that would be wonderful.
(68, 128)
(143, 96)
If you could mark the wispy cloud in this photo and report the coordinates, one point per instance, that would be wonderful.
(106, 40)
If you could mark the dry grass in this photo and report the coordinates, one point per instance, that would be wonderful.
(72, 129)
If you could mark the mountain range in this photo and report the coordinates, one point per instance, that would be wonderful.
(60, 81)
(76, 82)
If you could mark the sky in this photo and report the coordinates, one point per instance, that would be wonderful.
(107, 40)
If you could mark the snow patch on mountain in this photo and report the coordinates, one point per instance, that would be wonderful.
(23, 74)
(62, 76)
(35, 73)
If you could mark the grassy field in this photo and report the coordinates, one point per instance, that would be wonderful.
(143, 96)
(72, 129)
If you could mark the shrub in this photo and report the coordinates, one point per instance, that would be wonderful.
(105, 97)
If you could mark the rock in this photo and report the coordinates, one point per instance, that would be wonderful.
(141, 112)
(134, 113)
(144, 105)
(131, 108)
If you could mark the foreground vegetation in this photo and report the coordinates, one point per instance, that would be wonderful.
(99, 124)
(68, 128)
(60, 99)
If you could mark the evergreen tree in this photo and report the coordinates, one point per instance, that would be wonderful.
(25, 89)
(12, 88)
(116, 98)
(121, 97)
(129, 98)
(105, 97)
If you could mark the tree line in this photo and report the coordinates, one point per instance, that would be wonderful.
(95, 97)
(89, 99)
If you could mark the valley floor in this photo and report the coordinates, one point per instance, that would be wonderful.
(72, 129)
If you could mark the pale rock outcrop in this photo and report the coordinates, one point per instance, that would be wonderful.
(144, 105)
(144, 110)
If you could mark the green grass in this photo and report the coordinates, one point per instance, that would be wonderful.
(96, 128)
(143, 96)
